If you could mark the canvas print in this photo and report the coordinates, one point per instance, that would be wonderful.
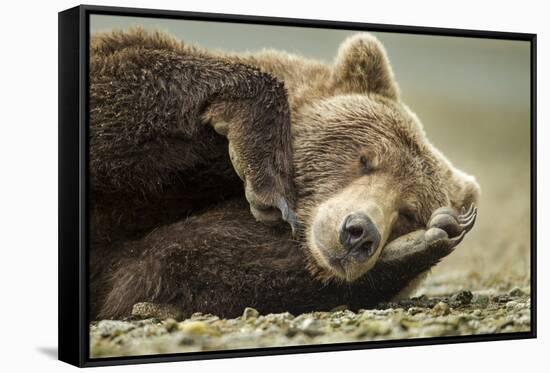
(261, 186)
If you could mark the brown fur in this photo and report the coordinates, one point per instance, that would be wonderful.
(169, 221)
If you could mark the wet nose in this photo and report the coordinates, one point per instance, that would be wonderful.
(359, 236)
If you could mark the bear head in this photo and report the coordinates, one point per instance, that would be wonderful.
(365, 172)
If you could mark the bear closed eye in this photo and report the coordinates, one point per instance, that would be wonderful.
(365, 165)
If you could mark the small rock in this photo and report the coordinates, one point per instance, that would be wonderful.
(290, 331)
(311, 327)
(501, 298)
(301, 318)
(481, 300)
(339, 308)
(455, 320)
(415, 310)
(196, 328)
(433, 330)
(112, 328)
(250, 313)
(279, 319)
(420, 298)
(513, 305)
(186, 340)
(198, 316)
(408, 324)
(170, 325)
(516, 292)
(464, 297)
(387, 306)
(441, 309)
(373, 329)
(147, 310)
(421, 315)
(504, 323)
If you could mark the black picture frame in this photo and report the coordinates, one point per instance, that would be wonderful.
(74, 192)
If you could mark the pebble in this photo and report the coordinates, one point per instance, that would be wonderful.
(501, 298)
(108, 328)
(186, 340)
(481, 300)
(204, 317)
(171, 325)
(194, 327)
(146, 310)
(311, 327)
(373, 329)
(511, 304)
(433, 330)
(441, 309)
(250, 313)
(464, 297)
(516, 292)
(415, 310)
(517, 306)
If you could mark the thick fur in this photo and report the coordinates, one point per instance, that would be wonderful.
(150, 99)
(169, 219)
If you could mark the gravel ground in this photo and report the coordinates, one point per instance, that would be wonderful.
(499, 310)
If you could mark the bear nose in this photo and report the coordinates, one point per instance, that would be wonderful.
(359, 236)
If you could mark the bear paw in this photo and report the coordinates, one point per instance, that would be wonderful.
(268, 207)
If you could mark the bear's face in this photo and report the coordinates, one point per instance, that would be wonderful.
(366, 174)
(364, 171)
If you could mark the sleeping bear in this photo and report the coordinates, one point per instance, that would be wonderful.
(224, 180)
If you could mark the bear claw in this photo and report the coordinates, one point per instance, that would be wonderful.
(449, 228)
(467, 219)
(449, 220)
(261, 208)
(288, 214)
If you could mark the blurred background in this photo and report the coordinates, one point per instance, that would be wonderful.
(473, 97)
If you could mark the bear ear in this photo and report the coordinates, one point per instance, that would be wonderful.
(362, 67)
(465, 190)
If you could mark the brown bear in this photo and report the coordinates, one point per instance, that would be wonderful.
(196, 155)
